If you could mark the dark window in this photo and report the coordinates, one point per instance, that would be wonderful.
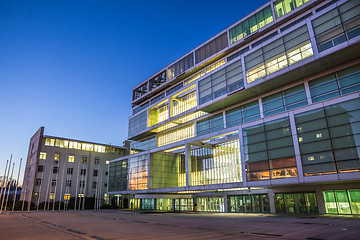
(56, 170)
(70, 171)
(83, 171)
(38, 182)
(94, 185)
(96, 161)
(40, 168)
(68, 182)
(106, 173)
(53, 182)
(95, 173)
(82, 184)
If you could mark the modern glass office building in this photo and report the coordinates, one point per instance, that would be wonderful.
(263, 117)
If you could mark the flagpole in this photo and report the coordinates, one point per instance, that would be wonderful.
(40, 189)
(17, 183)
(26, 183)
(48, 187)
(56, 186)
(7, 177)
(3, 180)
(76, 188)
(7, 197)
(62, 184)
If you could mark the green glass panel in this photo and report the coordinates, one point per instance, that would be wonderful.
(330, 202)
(354, 197)
(279, 203)
(342, 202)
(289, 202)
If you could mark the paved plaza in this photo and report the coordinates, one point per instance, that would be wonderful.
(116, 224)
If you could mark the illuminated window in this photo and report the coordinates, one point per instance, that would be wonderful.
(71, 158)
(176, 135)
(84, 160)
(124, 164)
(57, 157)
(43, 155)
(52, 196)
(183, 101)
(319, 135)
(159, 113)
(81, 195)
(67, 196)
(107, 162)
(49, 142)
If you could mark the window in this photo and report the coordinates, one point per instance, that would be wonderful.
(82, 184)
(251, 24)
(95, 173)
(280, 53)
(82, 171)
(67, 196)
(94, 185)
(68, 183)
(137, 123)
(71, 158)
(70, 171)
(211, 48)
(52, 196)
(242, 114)
(181, 66)
(337, 25)
(107, 162)
(282, 7)
(43, 155)
(283, 101)
(105, 185)
(84, 160)
(211, 124)
(53, 182)
(339, 83)
(49, 142)
(176, 135)
(96, 161)
(55, 170)
(106, 173)
(40, 168)
(269, 151)
(342, 201)
(38, 182)
(57, 157)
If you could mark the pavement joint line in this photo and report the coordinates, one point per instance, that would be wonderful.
(53, 227)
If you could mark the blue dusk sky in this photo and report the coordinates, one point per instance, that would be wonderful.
(70, 66)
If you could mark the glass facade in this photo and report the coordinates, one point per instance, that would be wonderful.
(167, 170)
(210, 204)
(254, 203)
(181, 66)
(176, 135)
(269, 151)
(158, 113)
(338, 25)
(138, 172)
(118, 172)
(221, 82)
(282, 52)
(296, 202)
(282, 7)
(211, 124)
(137, 123)
(335, 84)
(242, 114)
(342, 201)
(251, 25)
(285, 100)
(329, 138)
(216, 163)
(183, 101)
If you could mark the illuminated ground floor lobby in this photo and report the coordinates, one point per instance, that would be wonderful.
(307, 199)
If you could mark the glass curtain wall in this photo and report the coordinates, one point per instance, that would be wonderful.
(282, 7)
(211, 124)
(249, 203)
(118, 172)
(167, 170)
(329, 138)
(269, 151)
(338, 25)
(183, 101)
(282, 52)
(176, 135)
(251, 24)
(210, 204)
(295, 202)
(221, 82)
(339, 83)
(216, 163)
(181, 66)
(159, 113)
(342, 201)
(138, 172)
(137, 124)
(242, 114)
(285, 100)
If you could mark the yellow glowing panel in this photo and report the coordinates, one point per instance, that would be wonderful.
(67, 196)
(176, 135)
(193, 78)
(57, 157)
(215, 66)
(43, 155)
(71, 158)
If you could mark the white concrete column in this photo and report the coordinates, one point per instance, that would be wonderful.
(296, 147)
(226, 203)
(320, 200)
(187, 165)
(272, 201)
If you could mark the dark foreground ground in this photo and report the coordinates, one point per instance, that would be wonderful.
(115, 224)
